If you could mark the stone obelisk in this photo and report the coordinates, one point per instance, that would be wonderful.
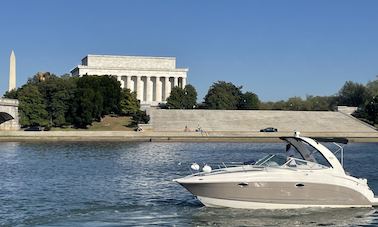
(12, 71)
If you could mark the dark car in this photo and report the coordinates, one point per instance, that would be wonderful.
(35, 128)
(270, 129)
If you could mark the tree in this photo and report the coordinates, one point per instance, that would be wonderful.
(13, 94)
(372, 87)
(58, 94)
(139, 117)
(321, 102)
(32, 107)
(249, 101)
(190, 98)
(175, 99)
(87, 106)
(129, 103)
(353, 94)
(223, 95)
(295, 103)
(108, 87)
(182, 98)
(371, 110)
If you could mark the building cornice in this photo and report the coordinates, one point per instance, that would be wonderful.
(129, 56)
(131, 69)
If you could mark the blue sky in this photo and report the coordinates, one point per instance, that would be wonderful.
(277, 49)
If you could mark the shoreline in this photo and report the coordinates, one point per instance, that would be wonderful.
(149, 136)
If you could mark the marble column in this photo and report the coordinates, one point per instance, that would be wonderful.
(183, 82)
(149, 89)
(167, 86)
(140, 86)
(119, 78)
(158, 89)
(175, 81)
(128, 82)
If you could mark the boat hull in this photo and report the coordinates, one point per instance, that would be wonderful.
(213, 202)
(276, 195)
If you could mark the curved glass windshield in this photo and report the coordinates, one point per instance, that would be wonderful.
(302, 150)
(272, 160)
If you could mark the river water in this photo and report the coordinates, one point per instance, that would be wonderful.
(128, 184)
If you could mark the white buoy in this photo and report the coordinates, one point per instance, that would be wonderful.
(195, 167)
(206, 169)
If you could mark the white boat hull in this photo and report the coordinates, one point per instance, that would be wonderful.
(213, 202)
(284, 190)
(277, 182)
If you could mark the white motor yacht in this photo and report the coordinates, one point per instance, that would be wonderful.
(311, 177)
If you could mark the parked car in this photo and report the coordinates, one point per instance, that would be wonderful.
(35, 128)
(270, 129)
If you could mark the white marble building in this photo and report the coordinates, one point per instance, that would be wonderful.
(151, 77)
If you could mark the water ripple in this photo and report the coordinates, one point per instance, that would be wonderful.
(120, 184)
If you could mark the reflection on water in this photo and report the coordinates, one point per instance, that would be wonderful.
(102, 184)
(304, 217)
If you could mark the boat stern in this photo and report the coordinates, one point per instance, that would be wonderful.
(374, 201)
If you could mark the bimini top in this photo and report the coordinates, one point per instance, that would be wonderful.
(313, 151)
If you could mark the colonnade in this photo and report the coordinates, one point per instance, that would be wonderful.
(151, 89)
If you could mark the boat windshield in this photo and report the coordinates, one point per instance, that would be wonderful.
(300, 149)
(278, 160)
(272, 160)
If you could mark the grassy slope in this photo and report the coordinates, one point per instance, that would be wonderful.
(108, 123)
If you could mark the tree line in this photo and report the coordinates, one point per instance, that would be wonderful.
(221, 95)
(51, 101)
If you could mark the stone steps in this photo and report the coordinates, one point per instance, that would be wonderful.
(254, 120)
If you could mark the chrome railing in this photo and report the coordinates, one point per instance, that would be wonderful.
(290, 163)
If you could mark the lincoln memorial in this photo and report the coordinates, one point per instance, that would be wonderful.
(151, 77)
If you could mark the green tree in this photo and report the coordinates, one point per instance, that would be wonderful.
(372, 87)
(371, 110)
(58, 94)
(61, 101)
(139, 117)
(182, 98)
(108, 87)
(13, 94)
(32, 107)
(223, 95)
(321, 102)
(249, 101)
(175, 99)
(129, 103)
(111, 93)
(87, 106)
(295, 103)
(353, 94)
(190, 97)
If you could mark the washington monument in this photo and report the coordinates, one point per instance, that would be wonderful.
(12, 71)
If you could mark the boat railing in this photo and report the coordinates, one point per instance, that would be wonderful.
(221, 167)
(269, 161)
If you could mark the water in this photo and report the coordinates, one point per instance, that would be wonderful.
(122, 184)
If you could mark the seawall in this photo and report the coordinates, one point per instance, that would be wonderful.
(174, 136)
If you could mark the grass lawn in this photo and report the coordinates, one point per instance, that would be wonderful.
(108, 123)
